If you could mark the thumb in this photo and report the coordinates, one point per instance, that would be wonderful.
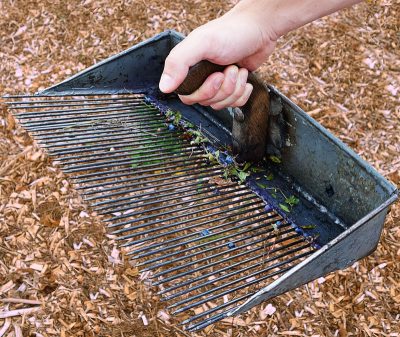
(186, 54)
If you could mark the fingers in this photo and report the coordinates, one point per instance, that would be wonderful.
(228, 87)
(187, 53)
(240, 94)
(207, 91)
(221, 90)
(235, 101)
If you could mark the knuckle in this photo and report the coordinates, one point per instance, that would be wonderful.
(206, 93)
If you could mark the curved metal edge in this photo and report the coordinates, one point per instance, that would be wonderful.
(122, 59)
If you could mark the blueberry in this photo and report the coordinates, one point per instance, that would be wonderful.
(231, 245)
(316, 245)
(298, 230)
(228, 160)
(205, 232)
(278, 224)
(171, 127)
(268, 208)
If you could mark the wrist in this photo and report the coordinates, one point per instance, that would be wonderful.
(278, 17)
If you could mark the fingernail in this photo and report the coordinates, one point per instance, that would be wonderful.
(218, 83)
(233, 74)
(166, 82)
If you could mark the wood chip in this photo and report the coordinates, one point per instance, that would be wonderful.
(18, 312)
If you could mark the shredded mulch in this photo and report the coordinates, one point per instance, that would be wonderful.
(60, 276)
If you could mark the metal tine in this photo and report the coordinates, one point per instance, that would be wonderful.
(140, 147)
(147, 224)
(145, 196)
(229, 291)
(73, 122)
(112, 152)
(112, 115)
(180, 169)
(86, 178)
(212, 310)
(69, 104)
(29, 118)
(195, 159)
(93, 134)
(207, 243)
(123, 162)
(174, 148)
(175, 224)
(99, 130)
(75, 95)
(142, 135)
(236, 272)
(62, 112)
(103, 164)
(231, 257)
(185, 257)
(79, 127)
(259, 216)
(139, 98)
(191, 281)
(213, 172)
(176, 204)
(144, 201)
(216, 318)
(118, 144)
(196, 225)
(79, 123)
(221, 225)
(139, 139)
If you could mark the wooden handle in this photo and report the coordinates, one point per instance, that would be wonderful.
(197, 75)
(249, 134)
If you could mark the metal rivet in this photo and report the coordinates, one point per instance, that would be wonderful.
(238, 115)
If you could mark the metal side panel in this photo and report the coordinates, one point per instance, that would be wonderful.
(327, 169)
(353, 244)
(134, 70)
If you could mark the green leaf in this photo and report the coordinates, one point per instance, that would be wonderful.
(242, 176)
(169, 113)
(269, 177)
(257, 169)
(273, 195)
(284, 207)
(275, 159)
(261, 185)
(246, 166)
(308, 226)
(212, 238)
(292, 200)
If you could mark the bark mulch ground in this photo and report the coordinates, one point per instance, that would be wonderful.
(59, 276)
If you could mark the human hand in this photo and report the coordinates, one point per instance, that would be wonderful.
(235, 38)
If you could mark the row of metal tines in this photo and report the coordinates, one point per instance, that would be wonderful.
(207, 243)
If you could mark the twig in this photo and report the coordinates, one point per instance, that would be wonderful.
(18, 312)
(20, 300)
(5, 327)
